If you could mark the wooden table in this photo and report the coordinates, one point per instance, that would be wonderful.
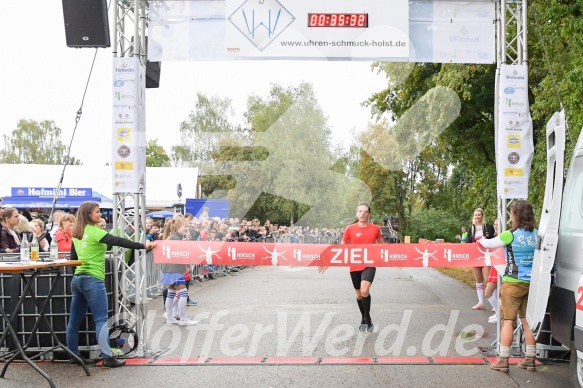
(28, 273)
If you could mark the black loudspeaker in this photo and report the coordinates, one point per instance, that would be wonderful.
(153, 74)
(86, 23)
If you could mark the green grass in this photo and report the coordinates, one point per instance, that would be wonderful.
(465, 275)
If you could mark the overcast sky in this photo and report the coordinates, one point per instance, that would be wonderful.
(43, 79)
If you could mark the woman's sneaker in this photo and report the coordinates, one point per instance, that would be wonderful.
(493, 318)
(369, 325)
(172, 321)
(176, 316)
(187, 322)
(362, 326)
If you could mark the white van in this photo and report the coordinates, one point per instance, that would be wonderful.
(562, 232)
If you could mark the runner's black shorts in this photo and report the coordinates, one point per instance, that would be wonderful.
(358, 276)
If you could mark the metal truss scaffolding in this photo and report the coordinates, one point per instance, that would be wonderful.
(129, 40)
(512, 49)
(129, 209)
(512, 31)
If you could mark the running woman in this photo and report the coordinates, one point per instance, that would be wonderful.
(362, 232)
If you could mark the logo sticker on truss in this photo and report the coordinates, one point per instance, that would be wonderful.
(261, 21)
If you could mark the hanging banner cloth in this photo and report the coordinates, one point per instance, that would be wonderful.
(515, 144)
(340, 255)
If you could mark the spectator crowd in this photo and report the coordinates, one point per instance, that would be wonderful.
(244, 230)
(19, 224)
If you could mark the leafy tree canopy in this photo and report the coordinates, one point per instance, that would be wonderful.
(156, 155)
(35, 143)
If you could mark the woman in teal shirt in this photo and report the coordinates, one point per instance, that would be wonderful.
(519, 246)
(90, 243)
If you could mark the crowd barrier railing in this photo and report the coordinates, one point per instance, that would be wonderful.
(153, 276)
(300, 239)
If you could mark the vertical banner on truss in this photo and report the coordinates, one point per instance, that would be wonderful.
(515, 146)
(129, 129)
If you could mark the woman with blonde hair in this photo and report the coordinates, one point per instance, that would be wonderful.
(90, 243)
(63, 235)
(37, 227)
(23, 225)
(173, 278)
(480, 229)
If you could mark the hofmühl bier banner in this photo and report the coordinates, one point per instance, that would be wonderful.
(515, 139)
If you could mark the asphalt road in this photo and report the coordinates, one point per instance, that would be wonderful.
(297, 314)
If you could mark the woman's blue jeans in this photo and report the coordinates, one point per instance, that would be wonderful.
(88, 292)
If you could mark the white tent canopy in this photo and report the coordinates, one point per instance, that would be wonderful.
(161, 182)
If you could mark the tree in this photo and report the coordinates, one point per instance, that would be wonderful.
(35, 143)
(298, 171)
(281, 167)
(555, 78)
(405, 162)
(200, 134)
(470, 140)
(382, 182)
(432, 224)
(156, 155)
(457, 170)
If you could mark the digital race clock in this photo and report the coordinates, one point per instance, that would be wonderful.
(354, 20)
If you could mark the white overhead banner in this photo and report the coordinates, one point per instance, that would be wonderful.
(515, 146)
(452, 31)
(396, 30)
(129, 128)
(317, 29)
